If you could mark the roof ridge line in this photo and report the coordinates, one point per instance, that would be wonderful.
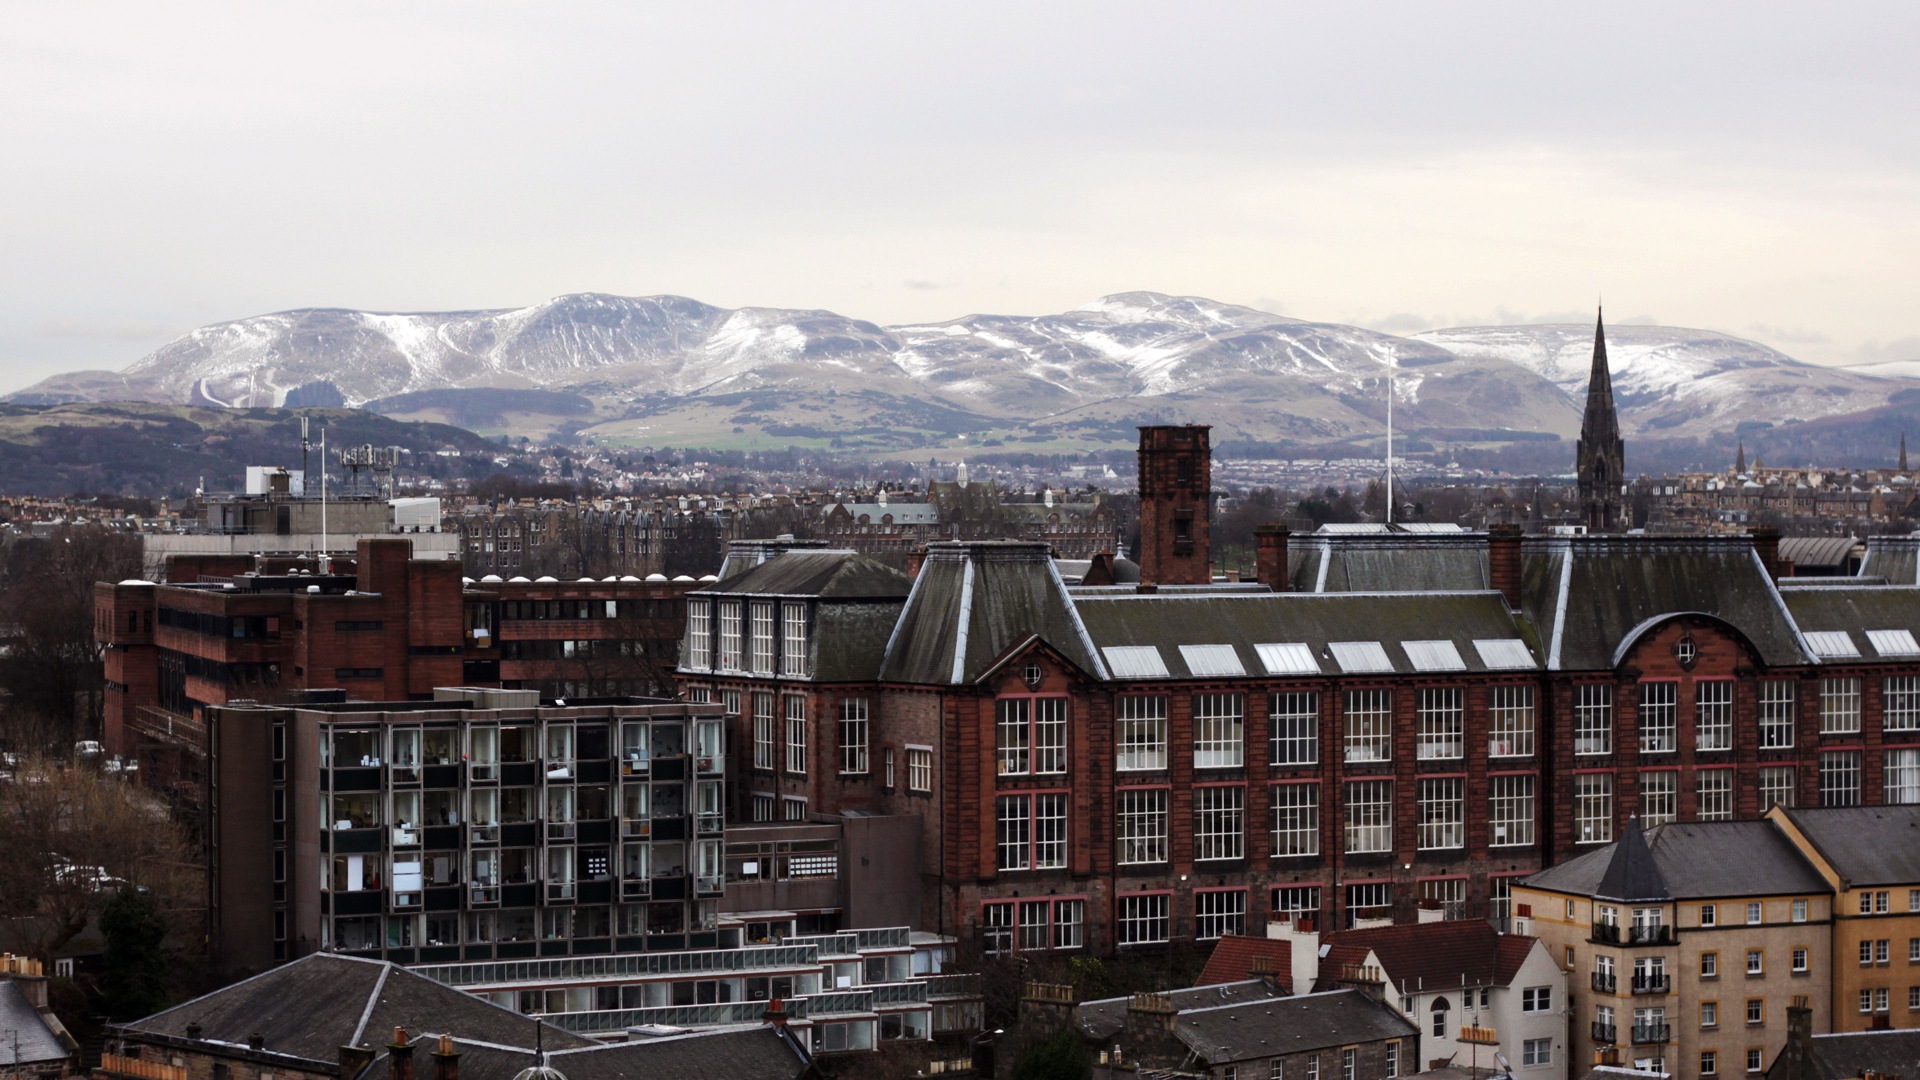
(373, 999)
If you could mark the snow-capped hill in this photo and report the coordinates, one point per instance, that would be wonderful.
(1887, 369)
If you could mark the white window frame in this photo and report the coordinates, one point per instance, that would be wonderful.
(1774, 713)
(919, 769)
(760, 637)
(1140, 722)
(1293, 718)
(1713, 795)
(1367, 725)
(1219, 731)
(1773, 791)
(1592, 719)
(1143, 918)
(1141, 828)
(793, 641)
(1593, 808)
(1218, 913)
(699, 632)
(1713, 714)
(1659, 716)
(1840, 777)
(854, 726)
(763, 730)
(1900, 703)
(1512, 810)
(1442, 723)
(1510, 721)
(729, 659)
(1296, 819)
(1659, 797)
(794, 707)
(1441, 821)
(1840, 705)
(1219, 822)
(1368, 816)
(1900, 785)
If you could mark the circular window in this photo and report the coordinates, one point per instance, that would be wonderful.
(1685, 650)
(1033, 675)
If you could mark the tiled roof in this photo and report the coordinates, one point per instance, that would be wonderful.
(1233, 960)
(1867, 845)
(1388, 562)
(1103, 1018)
(25, 1038)
(1701, 860)
(1456, 952)
(1846, 1056)
(830, 574)
(1631, 872)
(1856, 610)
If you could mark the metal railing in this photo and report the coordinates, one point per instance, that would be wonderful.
(1644, 1034)
(1605, 1034)
(1651, 984)
(965, 984)
(574, 969)
(1604, 983)
(1644, 934)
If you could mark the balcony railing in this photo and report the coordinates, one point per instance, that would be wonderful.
(1644, 1034)
(1604, 1034)
(1651, 984)
(1642, 934)
(1603, 983)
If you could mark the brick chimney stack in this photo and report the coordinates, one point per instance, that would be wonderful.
(1766, 544)
(915, 559)
(1503, 562)
(446, 1060)
(776, 1014)
(1176, 497)
(400, 1056)
(1270, 556)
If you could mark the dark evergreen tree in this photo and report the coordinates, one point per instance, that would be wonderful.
(134, 982)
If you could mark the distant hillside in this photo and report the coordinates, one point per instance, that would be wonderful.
(126, 448)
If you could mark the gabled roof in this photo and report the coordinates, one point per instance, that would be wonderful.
(1855, 610)
(1389, 562)
(25, 1038)
(319, 1003)
(1701, 860)
(745, 1052)
(972, 602)
(1866, 845)
(1632, 875)
(1456, 952)
(1103, 1018)
(1896, 558)
(1265, 1029)
(1233, 960)
(1587, 595)
(828, 574)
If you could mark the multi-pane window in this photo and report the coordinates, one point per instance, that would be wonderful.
(1659, 711)
(853, 735)
(729, 659)
(698, 629)
(1368, 896)
(1446, 895)
(1296, 820)
(1840, 778)
(1442, 810)
(1288, 902)
(1536, 1052)
(1219, 825)
(1442, 723)
(796, 734)
(1776, 787)
(919, 769)
(1069, 924)
(1142, 825)
(793, 643)
(1031, 831)
(1593, 808)
(1219, 731)
(1219, 912)
(1510, 721)
(1295, 716)
(1033, 925)
(1776, 714)
(1369, 725)
(1510, 810)
(1659, 797)
(1593, 719)
(1713, 714)
(1713, 792)
(760, 637)
(762, 731)
(1902, 781)
(1900, 703)
(1143, 918)
(1142, 733)
(1032, 735)
(1369, 816)
(1839, 705)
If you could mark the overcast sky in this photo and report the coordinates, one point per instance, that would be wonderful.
(1752, 168)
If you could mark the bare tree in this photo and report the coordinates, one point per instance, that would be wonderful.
(51, 671)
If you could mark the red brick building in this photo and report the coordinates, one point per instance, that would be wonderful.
(1382, 721)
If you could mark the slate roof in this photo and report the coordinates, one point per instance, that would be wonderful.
(974, 600)
(1391, 562)
(1102, 1019)
(762, 1052)
(1850, 1055)
(25, 1038)
(1228, 1033)
(1589, 595)
(1868, 845)
(826, 573)
(1438, 954)
(1703, 860)
(1246, 619)
(1233, 959)
(1826, 552)
(1632, 875)
(1855, 610)
(313, 1006)
(849, 640)
(1896, 558)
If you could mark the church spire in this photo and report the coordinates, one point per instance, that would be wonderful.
(1903, 451)
(1740, 459)
(1600, 456)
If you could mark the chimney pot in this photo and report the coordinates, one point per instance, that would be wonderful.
(1503, 562)
(194, 1029)
(1270, 556)
(446, 1060)
(256, 1041)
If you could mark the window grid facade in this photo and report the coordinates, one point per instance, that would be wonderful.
(796, 709)
(1510, 811)
(1840, 705)
(793, 645)
(1295, 717)
(1593, 808)
(1369, 816)
(1593, 719)
(1031, 735)
(1510, 721)
(760, 637)
(763, 731)
(1143, 918)
(1142, 828)
(1713, 714)
(919, 769)
(729, 659)
(1442, 723)
(1219, 822)
(1369, 726)
(1296, 820)
(853, 735)
(1659, 716)
(1659, 797)
(1031, 830)
(1776, 714)
(1776, 787)
(1901, 783)
(1840, 778)
(1218, 913)
(1442, 814)
(1900, 703)
(1713, 794)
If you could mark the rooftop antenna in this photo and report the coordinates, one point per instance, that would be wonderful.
(1390, 359)
(306, 448)
(326, 564)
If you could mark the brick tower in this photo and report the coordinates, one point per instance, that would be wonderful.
(1176, 489)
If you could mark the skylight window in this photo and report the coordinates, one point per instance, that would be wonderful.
(1835, 643)
(1894, 642)
(1212, 660)
(1288, 658)
(1356, 656)
(1433, 656)
(1503, 654)
(1135, 662)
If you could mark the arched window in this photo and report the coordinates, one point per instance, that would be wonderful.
(1440, 1007)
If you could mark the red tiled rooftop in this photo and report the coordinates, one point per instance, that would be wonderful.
(1233, 960)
